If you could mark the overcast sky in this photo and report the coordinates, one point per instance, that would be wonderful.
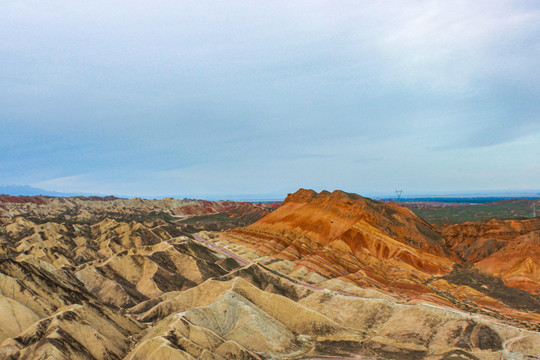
(213, 98)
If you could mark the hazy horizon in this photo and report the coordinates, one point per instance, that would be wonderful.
(26, 190)
(211, 98)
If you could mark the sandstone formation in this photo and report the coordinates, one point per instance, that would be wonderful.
(315, 237)
(345, 235)
(328, 275)
(509, 249)
(90, 209)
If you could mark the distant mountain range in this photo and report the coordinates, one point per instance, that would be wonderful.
(467, 197)
(26, 190)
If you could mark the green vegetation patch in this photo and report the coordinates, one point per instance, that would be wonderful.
(464, 213)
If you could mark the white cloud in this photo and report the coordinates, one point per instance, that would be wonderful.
(233, 93)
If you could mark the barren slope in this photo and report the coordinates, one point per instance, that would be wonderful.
(509, 249)
(345, 235)
(141, 290)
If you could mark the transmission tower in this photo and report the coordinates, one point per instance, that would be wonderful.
(398, 193)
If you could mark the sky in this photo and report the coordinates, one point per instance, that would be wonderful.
(259, 98)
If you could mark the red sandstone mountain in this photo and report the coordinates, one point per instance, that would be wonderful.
(345, 235)
(328, 216)
(509, 249)
(473, 241)
(22, 199)
(319, 237)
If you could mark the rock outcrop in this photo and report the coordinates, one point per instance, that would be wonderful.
(509, 249)
(345, 235)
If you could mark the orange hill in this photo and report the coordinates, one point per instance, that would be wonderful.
(509, 249)
(340, 234)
